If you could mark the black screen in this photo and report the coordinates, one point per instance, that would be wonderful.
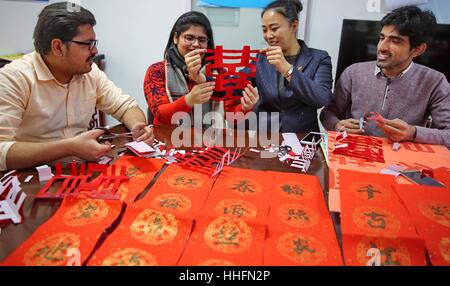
(359, 41)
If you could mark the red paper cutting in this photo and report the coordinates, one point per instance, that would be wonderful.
(208, 160)
(228, 63)
(368, 148)
(78, 185)
(78, 224)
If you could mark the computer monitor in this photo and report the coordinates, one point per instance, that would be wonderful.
(4, 62)
(359, 41)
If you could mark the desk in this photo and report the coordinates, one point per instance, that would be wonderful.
(36, 212)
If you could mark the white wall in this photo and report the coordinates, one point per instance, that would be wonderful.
(248, 31)
(132, 35)
(17, 21)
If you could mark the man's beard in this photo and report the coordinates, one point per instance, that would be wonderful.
(387, 65)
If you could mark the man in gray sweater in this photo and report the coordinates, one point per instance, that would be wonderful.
(404, 93)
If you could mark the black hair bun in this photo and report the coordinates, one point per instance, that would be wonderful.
(298, 5)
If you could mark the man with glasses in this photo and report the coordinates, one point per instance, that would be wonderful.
(48, 97)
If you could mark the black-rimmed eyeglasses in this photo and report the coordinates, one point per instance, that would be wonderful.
(190, 39)
(91, 43)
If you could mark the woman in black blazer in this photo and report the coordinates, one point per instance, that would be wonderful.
(293, 80)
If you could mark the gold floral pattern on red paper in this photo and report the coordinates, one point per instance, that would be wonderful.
(301, 249)
(52, 250)
(436, 211)
(135, 173)
(86, 212)
(376, 221)
(123, 191)
(444, 248)
(130, 257)
(228, 235)
(154, 228)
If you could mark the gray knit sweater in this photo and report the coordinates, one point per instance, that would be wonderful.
(413, 97)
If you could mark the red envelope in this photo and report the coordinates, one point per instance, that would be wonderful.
(300, 228)
(145, 237)
(297, 203)
(443, 175)
(141, 172)
(240, 193)
(225, 241)
(430, 210)
(371, 208)
(178, 191)
(301, 248)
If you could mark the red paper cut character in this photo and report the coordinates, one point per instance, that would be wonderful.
(367, 148)
(226, 66)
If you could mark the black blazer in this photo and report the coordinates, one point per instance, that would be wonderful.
(309, 90)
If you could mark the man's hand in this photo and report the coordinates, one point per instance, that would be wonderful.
(349, 125)
(193, 62)
(200, 94)
(276, 58)
(397, 130)
(250, 98)
(86, 147)
(143, 132)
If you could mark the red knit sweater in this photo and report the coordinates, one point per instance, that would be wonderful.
(158, 99)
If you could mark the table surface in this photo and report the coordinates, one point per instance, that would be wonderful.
(37, 211)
